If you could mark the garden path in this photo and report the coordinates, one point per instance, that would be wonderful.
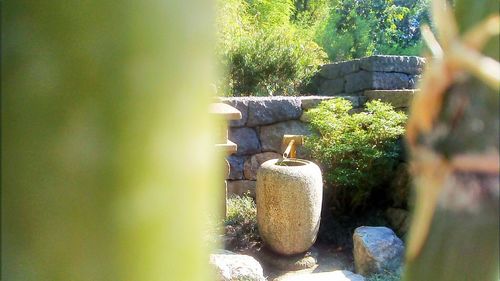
(329, 259)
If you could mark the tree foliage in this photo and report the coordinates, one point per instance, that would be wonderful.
(265, 51)
(361, 28)
(273, 47)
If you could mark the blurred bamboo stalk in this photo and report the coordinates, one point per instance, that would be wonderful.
(453, 134)
(107, 152)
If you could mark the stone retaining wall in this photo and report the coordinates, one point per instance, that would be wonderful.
(264, 122)
(266, 119)
(369, 73)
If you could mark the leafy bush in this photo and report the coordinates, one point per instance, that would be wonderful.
(357, 151)
(264, 51)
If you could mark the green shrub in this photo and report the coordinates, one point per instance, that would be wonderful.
(356, 29)
(263, 51)
(275, 62)
(357, 151)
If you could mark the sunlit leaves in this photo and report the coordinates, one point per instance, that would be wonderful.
(361, 28)
(356, 151)
(264, 49)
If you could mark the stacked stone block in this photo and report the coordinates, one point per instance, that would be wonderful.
(370, 73)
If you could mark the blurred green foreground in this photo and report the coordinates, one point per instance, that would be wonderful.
(107, 167)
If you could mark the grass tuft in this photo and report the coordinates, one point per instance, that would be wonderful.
(240, 224)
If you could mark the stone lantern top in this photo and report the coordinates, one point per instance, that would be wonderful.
(226, 112)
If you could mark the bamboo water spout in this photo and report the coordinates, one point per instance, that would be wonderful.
(291, 142)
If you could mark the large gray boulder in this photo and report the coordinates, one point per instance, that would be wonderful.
(377, 249)
(233, 267)
(337, 275)
(246, 139)
(253, 163)
(269, 110)
(272, 136)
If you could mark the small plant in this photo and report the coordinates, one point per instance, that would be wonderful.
(241, 222)
(240, 210)
(357, 151)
